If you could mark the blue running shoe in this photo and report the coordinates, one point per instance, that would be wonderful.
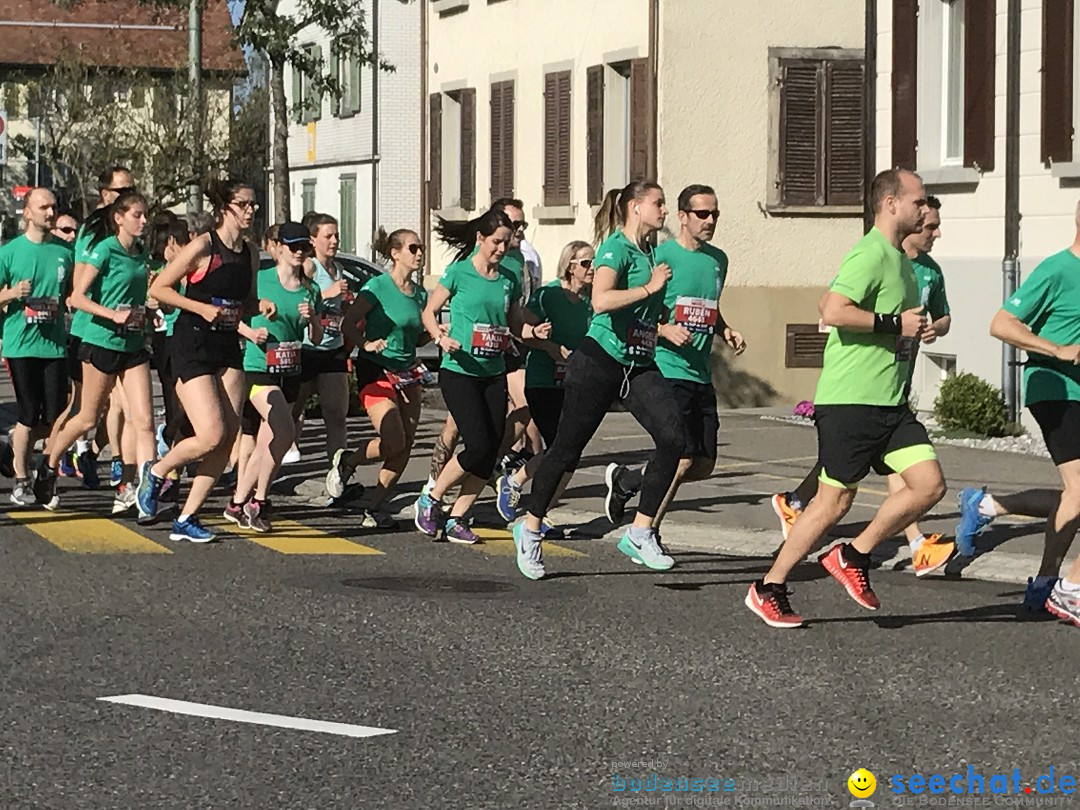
(162, 445)
(508, 499)
(66, 468)
(191, 530)
(147, 496)
(116, 473)
(972, 522)
(1038, 592)
(87, 464)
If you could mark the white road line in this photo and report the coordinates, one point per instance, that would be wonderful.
(242, 716)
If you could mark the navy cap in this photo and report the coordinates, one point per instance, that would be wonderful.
(291, 233)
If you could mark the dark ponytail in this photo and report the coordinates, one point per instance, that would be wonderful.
(461, 234)
(385, 243)
(100, 224)
(220, 193)
(612, 213)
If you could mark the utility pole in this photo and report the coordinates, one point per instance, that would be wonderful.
(1010, 264)
(194, 203)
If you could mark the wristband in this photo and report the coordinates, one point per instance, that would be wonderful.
(886, 324)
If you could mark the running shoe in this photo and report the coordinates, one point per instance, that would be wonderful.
(458, 531)
(972, 522)
(234, 513)
(116, 473)
(769, 602)
(378, 519)
(22, 494)
(191, 530)
(427, 515)
(1038, 593)
(338, 476)
(530, 552)
(854, 578)
(291, 457)
(617, 495)
(87, 468)
(509, 496)
(255, 513)
(45, 483)
(162, 445)
(7, 459)
(147, 494)
(228, 480)
(67, 468)
(787, 509)
(647, 552)
(1064, 604)
(932, 555)
(126, 498)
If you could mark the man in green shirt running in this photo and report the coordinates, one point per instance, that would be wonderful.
(863, 420)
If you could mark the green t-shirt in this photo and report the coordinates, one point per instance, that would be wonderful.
(569, 323)
(628, 335)
(34, 326)
(697, 278)
(1048, 302)
(931, 283)
(479, 319)
(82, 242)
(868, 368)
(281, 352)
(395, 318)
(121, 281)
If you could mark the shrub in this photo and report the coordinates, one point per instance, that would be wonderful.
(969, 403)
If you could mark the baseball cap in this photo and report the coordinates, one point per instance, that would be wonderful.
(293, 233)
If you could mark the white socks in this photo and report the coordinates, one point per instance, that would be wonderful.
(918, 541)
(81, 446)
(1070, 587)
(987, 507)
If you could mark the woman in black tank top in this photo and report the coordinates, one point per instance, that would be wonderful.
(220, 270)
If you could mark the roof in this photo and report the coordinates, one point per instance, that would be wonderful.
(114, 33)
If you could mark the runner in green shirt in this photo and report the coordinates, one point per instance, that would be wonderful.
(34, 269)
(385, 323)
(863, 420)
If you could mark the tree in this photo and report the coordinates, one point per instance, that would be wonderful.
(249, 138)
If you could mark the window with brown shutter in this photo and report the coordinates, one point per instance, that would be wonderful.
(905, 50)
(502, 139)
(642, 145)
(594, 134)
(435, 151)
(1057, 82)
(557, 138)
(467, 100)
(979, 29)
(819, 138)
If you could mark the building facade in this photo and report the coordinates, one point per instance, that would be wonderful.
(358, 157)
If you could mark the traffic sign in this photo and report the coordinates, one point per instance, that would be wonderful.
(3, 137)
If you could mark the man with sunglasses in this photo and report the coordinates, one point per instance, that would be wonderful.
(684, 350)
(66, 228)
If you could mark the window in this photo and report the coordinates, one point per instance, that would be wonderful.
(1059, 113)
(307, 197)
(816, 128)
(306, 100)
(557, 138)
(502, 139)
(453, 150)
(952, 91)
(619, 134)
(347, 217)
(347, 71)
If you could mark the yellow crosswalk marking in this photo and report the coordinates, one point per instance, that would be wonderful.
(80, 533)
(290, 537)
(500, 543)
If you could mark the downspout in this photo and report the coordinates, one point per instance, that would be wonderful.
(869, 111)
(1010, 265)
(425, 218)
(375, 157)
(654, 90)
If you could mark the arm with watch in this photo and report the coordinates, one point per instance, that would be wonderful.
(841, 312)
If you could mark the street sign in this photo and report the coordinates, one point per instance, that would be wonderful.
(3, 137)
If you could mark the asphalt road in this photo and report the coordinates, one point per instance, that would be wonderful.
(502, 693)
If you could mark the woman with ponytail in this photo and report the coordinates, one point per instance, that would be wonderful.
(615, 362)
(384, 323)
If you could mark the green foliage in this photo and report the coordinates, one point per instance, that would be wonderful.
(969, 403)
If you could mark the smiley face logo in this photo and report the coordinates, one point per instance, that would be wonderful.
(862, 784)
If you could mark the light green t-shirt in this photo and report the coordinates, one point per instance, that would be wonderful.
(479, 319)
(1048, 302)
(697, 278)
(569, 323)
(121, 281)
(34, 326)
(395, 318)
(629, 334)
(287, 327)
(868, 368)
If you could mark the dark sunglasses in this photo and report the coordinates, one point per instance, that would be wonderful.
(122, 189)
(519, 226)
(66, 230)
(298, 247)
(702, 214)
(584, 264)
(415, 248)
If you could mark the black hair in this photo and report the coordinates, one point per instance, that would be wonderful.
(385, 243)
(100, 224)
(221, 193)
(167, 226)
(612, 213)
(308, 218)
(105, 179)
(933, 202)
(688, 193)
(503, 203)
(461, 234)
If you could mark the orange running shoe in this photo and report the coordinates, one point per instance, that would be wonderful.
(787, 513)
(932, 555)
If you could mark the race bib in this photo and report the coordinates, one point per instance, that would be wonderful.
(698, 315)
(135, 323)
(42, 309)
(489, 341)
(229, 317)
(905, 349)
(417, 375)
(560, 373)
(283, 358)
(641, 339)
(331, 322)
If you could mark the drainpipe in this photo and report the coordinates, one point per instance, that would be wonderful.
(654, 72)
(869, 111)
(375, 157)
(1010, 265)
(425, 217)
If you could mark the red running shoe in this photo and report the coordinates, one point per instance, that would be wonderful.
(856, 580)
(770, 604)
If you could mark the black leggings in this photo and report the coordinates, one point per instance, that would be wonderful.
(594, 380)
(478, 405)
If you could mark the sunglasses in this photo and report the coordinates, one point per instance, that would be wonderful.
(243, 204)
(519, 226)
(416, 247)
(66, 230)
(702, 214)
(584, 264)
(298, 247)
(122, 189)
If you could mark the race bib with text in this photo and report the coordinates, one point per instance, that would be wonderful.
(283, 358)
(489, 341)
(697, 315)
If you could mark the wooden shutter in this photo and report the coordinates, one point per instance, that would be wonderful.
(641, 159)
(844, 142)
(354, 98)
(594, 134)
(297, 94)
(979, 25)
(557, 138)
(337, 105)
(1057, 82)
(801, 135)
(467, 100)
(905, 51)
(502, 139)
(435, 151)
